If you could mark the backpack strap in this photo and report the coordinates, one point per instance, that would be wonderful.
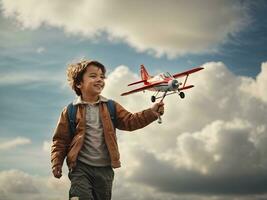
(112, 112)
(72, 110)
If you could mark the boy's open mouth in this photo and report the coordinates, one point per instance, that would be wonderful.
(99, 86)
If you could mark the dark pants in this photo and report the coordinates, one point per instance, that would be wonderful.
(91, 183)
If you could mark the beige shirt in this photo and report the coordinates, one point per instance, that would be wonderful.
(94, 150)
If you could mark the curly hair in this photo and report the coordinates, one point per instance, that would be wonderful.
(76, 71)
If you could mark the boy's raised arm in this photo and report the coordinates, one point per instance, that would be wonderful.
(133, 121)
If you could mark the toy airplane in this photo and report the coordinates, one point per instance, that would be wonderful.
(163, 82)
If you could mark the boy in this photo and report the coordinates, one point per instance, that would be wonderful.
(92, 152)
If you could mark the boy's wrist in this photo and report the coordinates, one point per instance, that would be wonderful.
(155, 113)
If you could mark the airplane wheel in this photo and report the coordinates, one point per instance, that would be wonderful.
(153, 99)
(182, 95)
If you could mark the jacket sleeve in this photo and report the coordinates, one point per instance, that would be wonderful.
(61, 140)
(133, 121)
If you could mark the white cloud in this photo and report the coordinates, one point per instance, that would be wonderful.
(257, 87)
(14, 143)
(16, 184)
(156, 27)
(15, 78)
(47, 146)
(216, 133)
(220, 148)
(14, 181)
(40, 50)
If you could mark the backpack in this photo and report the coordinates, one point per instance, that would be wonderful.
(72, 110)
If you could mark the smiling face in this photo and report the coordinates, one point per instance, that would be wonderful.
(92, 82)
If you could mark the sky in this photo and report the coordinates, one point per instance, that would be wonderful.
(211, 145)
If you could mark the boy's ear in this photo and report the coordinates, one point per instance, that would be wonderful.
(78, 85)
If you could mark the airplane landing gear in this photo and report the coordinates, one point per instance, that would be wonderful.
(154, 97)
(182, 95)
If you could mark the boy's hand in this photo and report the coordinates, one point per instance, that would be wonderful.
(158, 108)
(57, 171)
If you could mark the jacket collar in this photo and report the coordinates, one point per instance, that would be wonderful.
(79, 100)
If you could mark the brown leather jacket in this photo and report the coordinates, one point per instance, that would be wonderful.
(63, 145)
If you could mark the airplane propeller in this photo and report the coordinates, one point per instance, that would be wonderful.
(173, 84)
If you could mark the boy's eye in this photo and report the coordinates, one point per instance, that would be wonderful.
(94, 76)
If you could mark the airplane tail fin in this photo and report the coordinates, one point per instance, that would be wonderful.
(144, 73)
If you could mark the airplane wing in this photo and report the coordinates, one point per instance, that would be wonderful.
(142, 81)
(143, 88)
(186, 87)
(187, 72)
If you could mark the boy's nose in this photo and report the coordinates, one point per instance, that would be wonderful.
(100, 80)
